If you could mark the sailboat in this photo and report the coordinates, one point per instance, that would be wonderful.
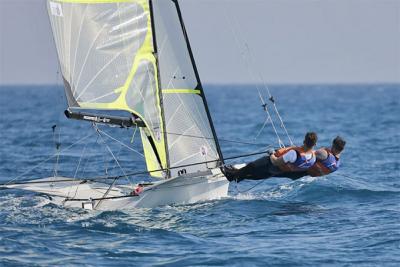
(135, 56)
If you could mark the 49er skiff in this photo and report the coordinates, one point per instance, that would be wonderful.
(135, 56)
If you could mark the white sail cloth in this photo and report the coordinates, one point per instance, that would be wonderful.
(134, 55)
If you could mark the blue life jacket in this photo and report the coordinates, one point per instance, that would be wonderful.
(331, 162)
(302, 163)
(326, 166)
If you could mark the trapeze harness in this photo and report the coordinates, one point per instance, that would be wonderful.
(326, 166)
(301, 164)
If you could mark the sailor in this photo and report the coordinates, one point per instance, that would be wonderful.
(282, 161)
(328, 161)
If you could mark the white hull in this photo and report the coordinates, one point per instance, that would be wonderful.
(180, 190)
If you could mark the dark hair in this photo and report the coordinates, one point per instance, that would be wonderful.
(310, 139)
(338, 143)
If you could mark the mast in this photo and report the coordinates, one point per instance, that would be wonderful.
(164, 132)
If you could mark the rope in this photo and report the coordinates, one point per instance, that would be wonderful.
(106, 163)
(143, 172)
(271, 98)
(119, 142)
(269, 118)
(109, 150)
(247, 190)
(253, 76)
(44, 161)
(281, 144)
(116, 161)
(202, 137)
(76, 170)
(219, 139)
(248, 60)
(86, 163)
(134, 134)
(57, 148)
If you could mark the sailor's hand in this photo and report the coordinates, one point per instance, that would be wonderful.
(270, 151)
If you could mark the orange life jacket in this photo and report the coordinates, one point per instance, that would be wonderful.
(326, 166)
(301, 163)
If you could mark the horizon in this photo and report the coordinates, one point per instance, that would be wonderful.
(235, 84)
(302, 42)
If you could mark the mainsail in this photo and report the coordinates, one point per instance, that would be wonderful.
(134, 55)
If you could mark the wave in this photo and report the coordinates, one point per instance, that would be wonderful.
(320, 190)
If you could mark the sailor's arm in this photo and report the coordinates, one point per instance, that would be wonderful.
(290, 156)
(276, 161)
(321, 154)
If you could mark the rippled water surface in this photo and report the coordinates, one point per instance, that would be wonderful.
(348, 218)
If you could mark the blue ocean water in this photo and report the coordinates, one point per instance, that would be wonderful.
(348, 218)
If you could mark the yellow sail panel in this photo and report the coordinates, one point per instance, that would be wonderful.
(152, 160)
(181, 91)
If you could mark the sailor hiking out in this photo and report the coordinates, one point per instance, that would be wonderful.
(327, 161)
(282, 161)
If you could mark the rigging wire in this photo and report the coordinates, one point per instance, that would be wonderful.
(251, 188)
(281, 144)
(54, 127)
(120, 149)
(134, 134)
(110, 151)
(147, 172)
(106, 162)
(57, 145)
(77, 168)
(116, 161)
(269, 118)
(84, 168)
(119, 142)
(192, 136)
(85, 164)
(219, 139)
(262, 128)
(249, 61)
(122, 144)
(270, 97)
(251, 73)
(49, 158)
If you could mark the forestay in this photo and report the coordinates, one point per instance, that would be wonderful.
(134, 55)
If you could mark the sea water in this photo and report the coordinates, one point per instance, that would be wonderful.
(351, 217)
